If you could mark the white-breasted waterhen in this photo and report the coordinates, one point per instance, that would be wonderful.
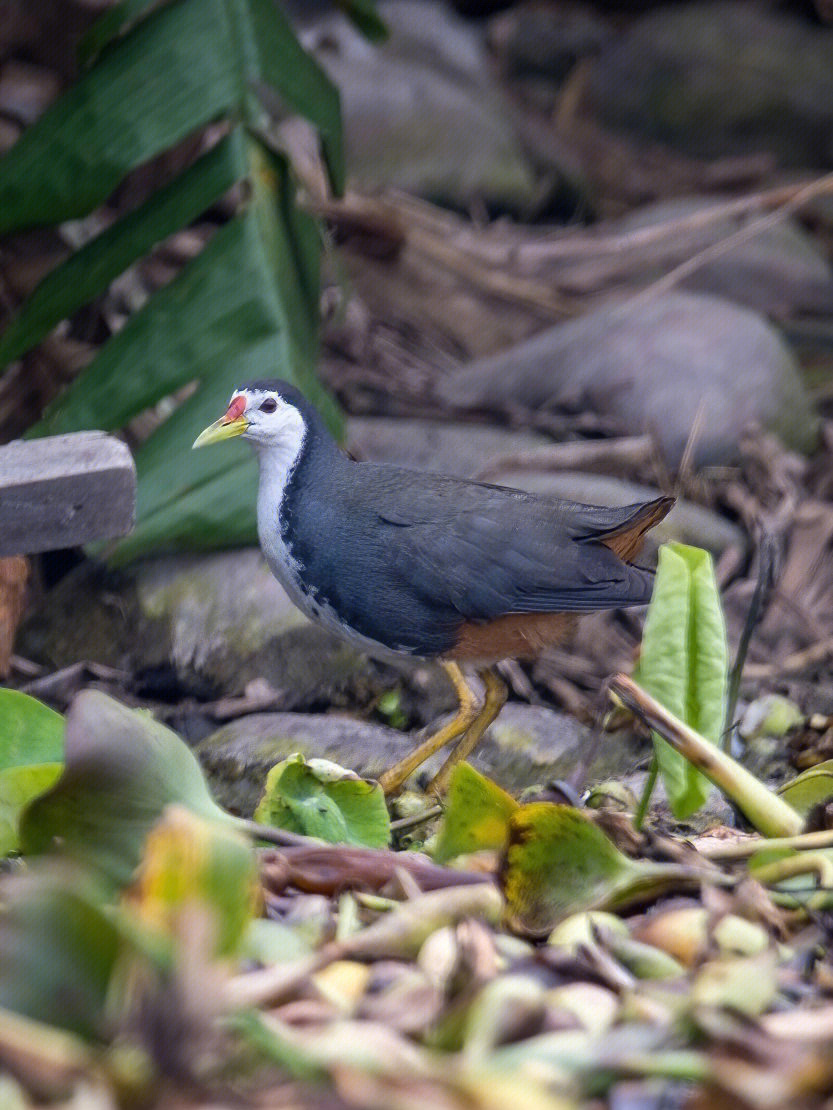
(406, 562)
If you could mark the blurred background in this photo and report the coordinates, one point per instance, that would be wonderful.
(579, 247)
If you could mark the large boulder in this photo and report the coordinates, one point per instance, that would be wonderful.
(423, 113)
(722, 77)
(198, 624)
(657, 364)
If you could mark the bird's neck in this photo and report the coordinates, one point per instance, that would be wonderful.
(283, 466)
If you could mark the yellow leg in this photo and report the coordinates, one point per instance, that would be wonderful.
(496, 694)
(467, 714)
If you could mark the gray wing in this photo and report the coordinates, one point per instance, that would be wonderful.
(488, 550)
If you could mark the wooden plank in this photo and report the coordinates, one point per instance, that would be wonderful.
(63, 491)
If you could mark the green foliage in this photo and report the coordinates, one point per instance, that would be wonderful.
(558, 862)
(476, 815)
(122, 769)
(247, 306)
(811, 788)
(31, 758)
(321, 799)
(58, 949)
(684, 663)
(190, 863)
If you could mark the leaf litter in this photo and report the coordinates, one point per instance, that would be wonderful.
(519, 951)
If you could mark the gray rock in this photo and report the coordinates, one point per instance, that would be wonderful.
(778, 271)
(448, 448)
(655, 365)
(724, 77)
(215, 621)
(422, 112)
(526, 746)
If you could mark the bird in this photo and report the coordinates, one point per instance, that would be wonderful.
(406, 562)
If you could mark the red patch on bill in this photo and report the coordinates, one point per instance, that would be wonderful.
(235, 409)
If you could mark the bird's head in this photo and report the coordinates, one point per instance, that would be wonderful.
(267, 414)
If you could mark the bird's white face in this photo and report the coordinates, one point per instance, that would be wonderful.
(262, 417)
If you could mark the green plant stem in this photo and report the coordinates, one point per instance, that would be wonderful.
(768, 813)
(648, 789)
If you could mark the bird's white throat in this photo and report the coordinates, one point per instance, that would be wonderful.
(277, 459)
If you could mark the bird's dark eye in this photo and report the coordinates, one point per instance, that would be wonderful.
(269, 405)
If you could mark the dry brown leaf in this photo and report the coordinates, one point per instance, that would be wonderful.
(14, 574)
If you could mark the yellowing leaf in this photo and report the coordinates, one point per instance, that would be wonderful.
(476, 816)
(558, 862)
(190, 863)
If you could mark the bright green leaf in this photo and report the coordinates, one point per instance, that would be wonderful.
(683, 663)
(476, 815)
(31, 758)
(558, 862)
(321, 799)
(122, 769)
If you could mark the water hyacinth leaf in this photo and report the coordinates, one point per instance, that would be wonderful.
(811, 788)
(558, 863)
(122, 769)
(683, 663)
(58, 948)
(191, 864)
(476, 815)
(89, 271)
(208, 58)
(31, 758)
(321, 799)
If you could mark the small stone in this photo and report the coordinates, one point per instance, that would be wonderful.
(26, 90)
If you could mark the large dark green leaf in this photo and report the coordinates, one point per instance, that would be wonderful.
(186, 64)
(246, 307)
(90, 270)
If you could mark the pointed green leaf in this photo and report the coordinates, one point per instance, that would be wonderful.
(31, 758)
(321, 799)
(683, 663)
(476, 815)
(186, 64)
(122, 769)
(90, 270)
